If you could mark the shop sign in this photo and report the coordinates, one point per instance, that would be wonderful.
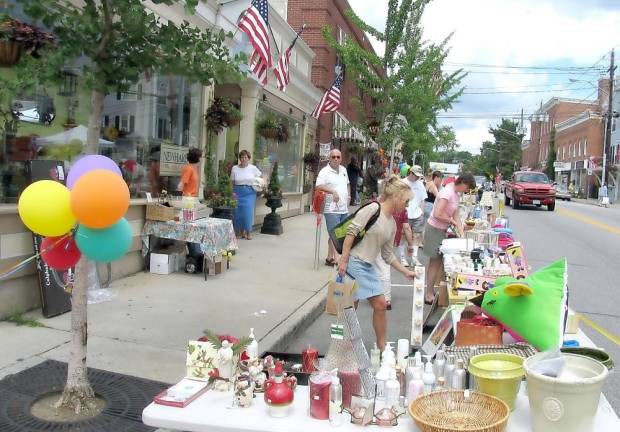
(324, 150)
(172, 159)
(561, 166)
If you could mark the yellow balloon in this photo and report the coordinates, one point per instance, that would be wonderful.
(45, 208)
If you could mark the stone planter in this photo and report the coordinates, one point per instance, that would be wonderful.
(272, 224)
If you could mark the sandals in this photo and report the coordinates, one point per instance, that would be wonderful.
(330, 262)
(388, 305)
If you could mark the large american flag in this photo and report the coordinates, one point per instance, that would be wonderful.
(281, 70)
(330, 101)
(255, 24)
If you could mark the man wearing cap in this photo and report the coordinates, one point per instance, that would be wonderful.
(415, 209)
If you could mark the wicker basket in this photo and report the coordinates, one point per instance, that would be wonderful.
(449, 410)
(159, 212)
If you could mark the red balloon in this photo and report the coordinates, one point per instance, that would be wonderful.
(60, 255)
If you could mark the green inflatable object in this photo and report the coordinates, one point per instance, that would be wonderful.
(533, 308)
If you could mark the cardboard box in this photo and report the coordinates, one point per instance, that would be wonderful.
(216, 265)
(162, 263)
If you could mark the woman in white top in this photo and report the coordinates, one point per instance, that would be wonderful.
(242, 176)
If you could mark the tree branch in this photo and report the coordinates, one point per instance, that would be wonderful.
(107, 31)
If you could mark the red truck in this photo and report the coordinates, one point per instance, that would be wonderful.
(529, 187)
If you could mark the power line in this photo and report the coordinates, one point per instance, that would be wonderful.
(556, 68)
(526, 91)
(597, 72)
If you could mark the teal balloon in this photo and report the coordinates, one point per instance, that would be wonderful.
(104, 245)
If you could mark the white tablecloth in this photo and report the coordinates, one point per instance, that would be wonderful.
(212, 412)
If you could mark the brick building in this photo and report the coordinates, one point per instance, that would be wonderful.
(317, 14)
(579, 139)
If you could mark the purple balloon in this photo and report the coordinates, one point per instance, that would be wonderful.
(90, 163)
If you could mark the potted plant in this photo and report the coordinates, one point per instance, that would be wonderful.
(272, 224)
(311, 160)
(17, 37)
(268, 128)
(282, 134)
(222, 113)
(219, 193)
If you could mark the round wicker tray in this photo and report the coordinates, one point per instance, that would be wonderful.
(450, 411)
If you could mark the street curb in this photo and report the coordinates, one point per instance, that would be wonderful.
(290, 327)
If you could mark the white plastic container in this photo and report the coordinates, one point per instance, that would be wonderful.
(567, 403)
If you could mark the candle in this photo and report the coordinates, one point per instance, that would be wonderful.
(319, 395)
(309, 359)
(351, 385)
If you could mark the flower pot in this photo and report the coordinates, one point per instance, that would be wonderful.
(10, 52)
(498, 374)
(269, 133)
(223, 213)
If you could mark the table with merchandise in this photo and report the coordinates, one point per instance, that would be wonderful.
(213, 412)
(214, 235)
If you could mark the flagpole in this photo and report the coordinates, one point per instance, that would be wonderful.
(275, 42)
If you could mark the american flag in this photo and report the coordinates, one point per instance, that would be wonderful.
(281, 71)
(255, 24)
(330, 101)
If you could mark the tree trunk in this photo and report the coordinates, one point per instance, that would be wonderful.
(94, 122)
(78, 395)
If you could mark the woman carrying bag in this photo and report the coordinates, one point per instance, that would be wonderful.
(357, 261)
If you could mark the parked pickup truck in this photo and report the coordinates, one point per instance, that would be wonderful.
(527, 187)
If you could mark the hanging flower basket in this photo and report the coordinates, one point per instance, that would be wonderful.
(232, 120)
(269, 133)
(10, 52)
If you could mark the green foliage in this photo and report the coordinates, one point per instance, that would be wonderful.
(64, 152)
(274, 190)
(123, 39)
(407, 84)
(504, 154)
(549, 168)
(210, 178)
(222, 195)
(20, 320)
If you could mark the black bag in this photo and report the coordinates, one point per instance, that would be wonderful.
(339, 232)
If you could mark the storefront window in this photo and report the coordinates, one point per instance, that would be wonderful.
(160, 112)
(288, 153)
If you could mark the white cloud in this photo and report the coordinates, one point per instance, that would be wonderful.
(514, 32)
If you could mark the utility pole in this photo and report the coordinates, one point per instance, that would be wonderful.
(610, 111)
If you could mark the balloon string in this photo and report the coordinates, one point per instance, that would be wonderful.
(17, 267)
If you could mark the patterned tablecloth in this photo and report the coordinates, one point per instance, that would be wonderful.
(214, 235)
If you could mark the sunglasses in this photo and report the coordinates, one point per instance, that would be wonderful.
(335, 157)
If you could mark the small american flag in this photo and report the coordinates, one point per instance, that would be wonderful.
(255, 24)
(281, 71)
(330, 101)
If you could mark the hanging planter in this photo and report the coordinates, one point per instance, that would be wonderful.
(222, 114)
(17, 37)
(10, 52)
(268, 128)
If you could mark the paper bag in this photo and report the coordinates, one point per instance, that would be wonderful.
(339, 295)
(478, 331)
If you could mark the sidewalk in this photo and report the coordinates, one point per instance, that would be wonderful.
(594, 201)
(143, 331)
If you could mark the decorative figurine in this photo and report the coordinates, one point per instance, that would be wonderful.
(255, 369)
(225, 360)
(244, 391)
(279, 392)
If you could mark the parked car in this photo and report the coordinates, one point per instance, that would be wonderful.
(528, 187)
(561, 192)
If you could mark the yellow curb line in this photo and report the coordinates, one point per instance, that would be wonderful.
(589, 220)
(601, 330)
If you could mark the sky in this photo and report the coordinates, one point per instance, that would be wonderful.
(557, 40)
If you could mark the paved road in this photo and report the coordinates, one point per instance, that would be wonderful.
(588, 236)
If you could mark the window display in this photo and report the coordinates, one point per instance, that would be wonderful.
(279, 138)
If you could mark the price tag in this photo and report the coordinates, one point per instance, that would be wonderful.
(337, 331)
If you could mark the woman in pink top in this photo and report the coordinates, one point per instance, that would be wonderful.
(445, 212)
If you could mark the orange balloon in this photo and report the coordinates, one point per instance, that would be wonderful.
(99, 198)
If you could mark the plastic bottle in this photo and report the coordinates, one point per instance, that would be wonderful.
(441, 384)
(417, 357)
(388, 355)
(416, 385)
(448, 369)
(381, 378)
(375, 358)
(411, 367)
(392, 390)
(335, 402)
(439, 364)
(252, 349)
(459, 376)
(428, 378)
